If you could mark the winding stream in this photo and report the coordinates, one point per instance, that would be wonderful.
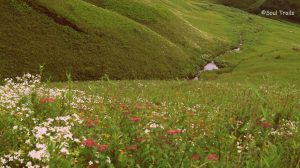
(212, 66)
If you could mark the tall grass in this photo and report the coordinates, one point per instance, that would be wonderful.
(148, 124)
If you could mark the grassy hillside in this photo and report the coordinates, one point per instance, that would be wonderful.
(144, 40)
(91, 41)
(272, 52)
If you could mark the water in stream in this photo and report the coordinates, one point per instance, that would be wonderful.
(212, 66)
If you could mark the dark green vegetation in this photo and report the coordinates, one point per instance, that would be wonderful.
(256, 6)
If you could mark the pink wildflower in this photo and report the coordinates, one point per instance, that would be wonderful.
(47, 100)
(89, 143)
(213, 157)
(135, 119)
(174, 132)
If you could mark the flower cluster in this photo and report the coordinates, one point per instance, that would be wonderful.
(89, 143)
(285, 129)
(40, 135)
(14, 90)
(46, 126)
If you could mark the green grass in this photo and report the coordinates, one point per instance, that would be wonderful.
(111, 44)
(244, 115)
(117, 51)
(145, 40)
(269, 51)
(197, 124)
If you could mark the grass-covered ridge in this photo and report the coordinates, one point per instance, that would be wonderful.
(110, 43)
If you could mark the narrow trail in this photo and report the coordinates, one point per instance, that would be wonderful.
(212, 65)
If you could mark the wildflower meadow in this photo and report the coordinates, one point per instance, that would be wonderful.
(46, 126)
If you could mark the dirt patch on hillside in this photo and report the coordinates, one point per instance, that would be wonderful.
(57, 18)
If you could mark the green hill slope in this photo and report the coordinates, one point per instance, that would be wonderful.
(91, 41)
(146, 39)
